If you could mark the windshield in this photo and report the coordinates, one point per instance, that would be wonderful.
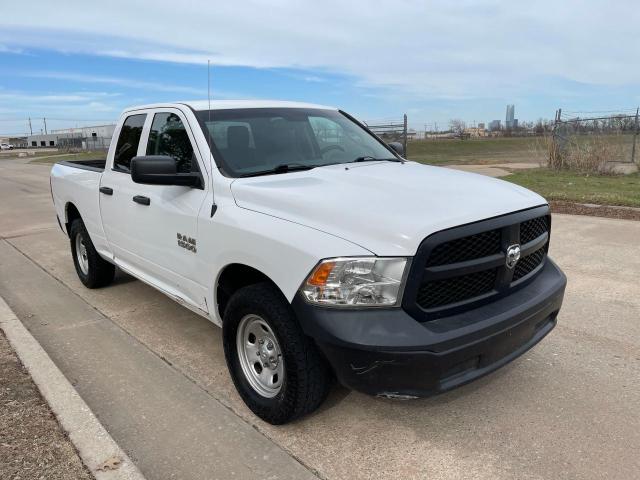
(256, 141)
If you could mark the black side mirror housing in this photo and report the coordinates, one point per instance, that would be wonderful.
(397, 147)
(161, 170)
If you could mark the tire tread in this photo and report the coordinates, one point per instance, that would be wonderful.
(308, 378)
(101, 272)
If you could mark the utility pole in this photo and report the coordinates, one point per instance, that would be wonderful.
(635, 136)
(405, 135)
(30, 129)
(45, 125)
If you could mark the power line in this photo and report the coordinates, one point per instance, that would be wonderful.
(621, 110)
(26, 120)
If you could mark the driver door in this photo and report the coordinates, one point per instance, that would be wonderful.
(162, 224)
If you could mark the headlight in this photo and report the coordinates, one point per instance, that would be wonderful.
(356, 282)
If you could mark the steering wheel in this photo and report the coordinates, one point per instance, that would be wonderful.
(328, 148)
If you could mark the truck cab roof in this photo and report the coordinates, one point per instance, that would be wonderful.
(200, 105)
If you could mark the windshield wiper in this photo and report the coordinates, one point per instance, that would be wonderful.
(369, 158)
(282, 168)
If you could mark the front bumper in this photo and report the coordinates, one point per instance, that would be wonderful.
(387, 352)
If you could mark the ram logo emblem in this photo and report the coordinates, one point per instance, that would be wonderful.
(513, 255)
(187, 242)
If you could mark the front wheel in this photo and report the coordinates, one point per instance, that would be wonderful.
(277, 370)
(92, 269)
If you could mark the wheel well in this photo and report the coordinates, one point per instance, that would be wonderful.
(234, 277)
(72, 214)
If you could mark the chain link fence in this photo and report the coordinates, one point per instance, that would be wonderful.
(391, 131)
(594, 143)
(83, 143)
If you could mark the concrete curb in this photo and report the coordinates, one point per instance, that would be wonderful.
(99, 452)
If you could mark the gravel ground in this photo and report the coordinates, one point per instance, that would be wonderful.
(32, 444)
(624, 213)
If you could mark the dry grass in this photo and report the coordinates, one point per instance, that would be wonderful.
(587, 155)
(32, 444)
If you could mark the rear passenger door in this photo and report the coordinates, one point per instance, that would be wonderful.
(116, 208)
(160, 241)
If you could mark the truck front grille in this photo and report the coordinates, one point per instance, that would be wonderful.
(528, 264)
(532, 229)
(466, 248)
(457, 269)
(457, 289)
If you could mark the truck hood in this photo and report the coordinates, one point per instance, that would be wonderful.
(385, 207)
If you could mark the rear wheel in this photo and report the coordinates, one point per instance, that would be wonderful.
(275, 367)
(92, 269)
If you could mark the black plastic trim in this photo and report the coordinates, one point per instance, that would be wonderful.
(386, 351)
(60, 225)
(142, 200)
(510, 224)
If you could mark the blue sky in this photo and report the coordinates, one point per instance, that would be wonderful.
(76, 63)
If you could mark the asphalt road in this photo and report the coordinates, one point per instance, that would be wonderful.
(569, 408)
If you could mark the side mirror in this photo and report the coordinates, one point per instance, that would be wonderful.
(161, 170)
(397, 147)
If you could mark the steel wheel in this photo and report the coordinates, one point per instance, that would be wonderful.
(260, 355)
(81, 255)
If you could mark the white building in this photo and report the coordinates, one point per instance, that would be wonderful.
(97, 131)
(86, 138)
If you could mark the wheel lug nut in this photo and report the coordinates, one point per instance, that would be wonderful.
(269, 346)
(261, 341)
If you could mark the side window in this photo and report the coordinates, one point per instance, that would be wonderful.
(127, 146)
(168, 136)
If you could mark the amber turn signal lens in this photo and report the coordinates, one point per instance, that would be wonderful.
(320, 275)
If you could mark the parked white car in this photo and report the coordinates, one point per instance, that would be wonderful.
(6, 146)
(317, 248)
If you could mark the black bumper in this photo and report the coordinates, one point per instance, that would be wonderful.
(387, 352)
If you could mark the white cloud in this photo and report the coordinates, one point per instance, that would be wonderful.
(61, 110)
(5, 49)
(24, 97)
(123, 82)
(428, 49)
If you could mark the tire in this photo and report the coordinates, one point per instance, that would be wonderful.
(306, 377)
(92, 269)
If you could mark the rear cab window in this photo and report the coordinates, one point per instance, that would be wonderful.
(128, 142)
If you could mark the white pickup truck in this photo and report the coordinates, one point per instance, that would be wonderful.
(319, 250)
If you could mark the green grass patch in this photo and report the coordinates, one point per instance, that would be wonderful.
(56, 157)
(581, 188)
(477, 150)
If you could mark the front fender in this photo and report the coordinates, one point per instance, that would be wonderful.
(284, 251)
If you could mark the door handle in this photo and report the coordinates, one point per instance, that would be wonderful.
(142, 200)
(106, 190)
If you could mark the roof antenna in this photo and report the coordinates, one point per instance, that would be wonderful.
(214, 207)
(209, 86)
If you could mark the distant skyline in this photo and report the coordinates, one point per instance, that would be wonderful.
(76, 63)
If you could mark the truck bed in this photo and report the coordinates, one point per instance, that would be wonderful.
(96, 165)
(77, 183)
